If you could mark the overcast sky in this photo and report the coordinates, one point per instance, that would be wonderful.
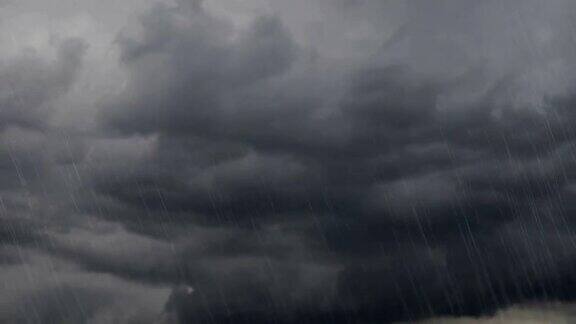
(274, 161)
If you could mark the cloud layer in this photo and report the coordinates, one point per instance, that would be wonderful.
(272, 161)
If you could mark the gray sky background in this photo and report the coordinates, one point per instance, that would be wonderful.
(338, 161)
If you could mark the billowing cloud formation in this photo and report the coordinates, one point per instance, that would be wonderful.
(270, 161)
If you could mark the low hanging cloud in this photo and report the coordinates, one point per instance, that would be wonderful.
(271, 161)
(534, 314)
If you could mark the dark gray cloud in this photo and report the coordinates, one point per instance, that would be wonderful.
(272, 161)
(28, 84)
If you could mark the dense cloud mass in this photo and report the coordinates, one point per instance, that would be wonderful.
(269, 161)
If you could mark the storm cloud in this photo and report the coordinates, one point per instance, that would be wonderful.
(293, 162)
